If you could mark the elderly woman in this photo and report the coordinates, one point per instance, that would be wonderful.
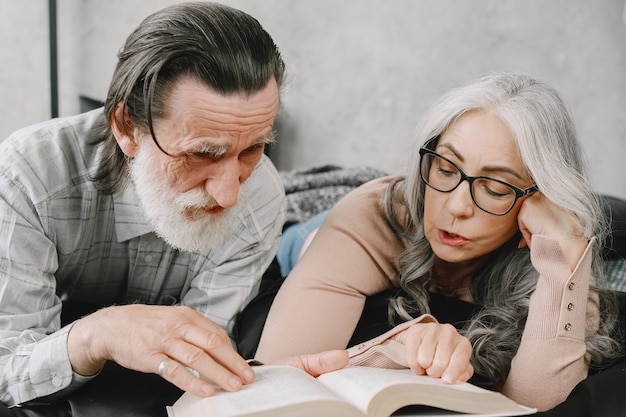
(494, 227)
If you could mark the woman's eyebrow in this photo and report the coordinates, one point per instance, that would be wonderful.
(452, 149)
(503, 168)
(487, 168)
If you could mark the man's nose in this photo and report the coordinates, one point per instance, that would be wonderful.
(224, 186)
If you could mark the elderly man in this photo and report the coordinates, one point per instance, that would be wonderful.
(160, 210)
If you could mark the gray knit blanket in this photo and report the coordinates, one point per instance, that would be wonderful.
(313, 190)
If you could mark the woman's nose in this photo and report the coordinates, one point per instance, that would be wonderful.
(460, 202)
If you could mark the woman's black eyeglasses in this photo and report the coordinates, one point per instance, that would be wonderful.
(489, 194)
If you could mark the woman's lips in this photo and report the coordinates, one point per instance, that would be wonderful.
(451, 239)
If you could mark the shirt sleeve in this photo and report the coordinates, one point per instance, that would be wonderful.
(33, 349)
(552, 350)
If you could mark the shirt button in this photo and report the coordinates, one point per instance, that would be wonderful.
(568, 327)
(148, 258)
(571, 286)
(56, 381)
(570, 306)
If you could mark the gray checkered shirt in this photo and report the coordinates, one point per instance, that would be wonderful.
(61, 239)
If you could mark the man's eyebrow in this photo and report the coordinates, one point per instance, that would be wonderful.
(210, 148)
(220, 150)
(268, 139)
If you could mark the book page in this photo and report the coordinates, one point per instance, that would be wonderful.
(360, 384)
(400, 387)
(274, 387)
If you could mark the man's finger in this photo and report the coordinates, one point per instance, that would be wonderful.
(216, 351)
(180, 376)
(203, 364)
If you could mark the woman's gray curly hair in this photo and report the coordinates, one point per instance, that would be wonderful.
(551, 153)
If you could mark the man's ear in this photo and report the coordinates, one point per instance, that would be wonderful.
(124, 130)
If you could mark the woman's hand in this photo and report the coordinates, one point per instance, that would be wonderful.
(437, 350)
(539, 216)
(316, 364)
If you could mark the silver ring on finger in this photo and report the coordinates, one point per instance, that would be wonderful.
(162, 366)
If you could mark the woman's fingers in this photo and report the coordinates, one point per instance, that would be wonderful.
(437, 350)
(317, 363)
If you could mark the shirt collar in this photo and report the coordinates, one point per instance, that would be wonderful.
(130, 221)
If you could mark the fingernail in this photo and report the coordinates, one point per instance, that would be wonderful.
(248, 375)
(447, 378)
(234, 383)
(207, 390)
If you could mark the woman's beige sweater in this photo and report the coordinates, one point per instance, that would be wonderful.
(354, 255)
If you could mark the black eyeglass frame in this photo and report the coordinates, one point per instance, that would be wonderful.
(519, 192)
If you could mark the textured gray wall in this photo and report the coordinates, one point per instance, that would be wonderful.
(361, 72)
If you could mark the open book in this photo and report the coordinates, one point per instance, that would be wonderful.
(349, 392)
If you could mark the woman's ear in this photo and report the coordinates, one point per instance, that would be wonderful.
(124, 130)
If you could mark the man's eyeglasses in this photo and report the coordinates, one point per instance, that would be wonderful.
(489, 194)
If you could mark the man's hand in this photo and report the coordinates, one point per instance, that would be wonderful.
(140, 337)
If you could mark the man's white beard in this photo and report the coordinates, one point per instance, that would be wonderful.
(165, 208)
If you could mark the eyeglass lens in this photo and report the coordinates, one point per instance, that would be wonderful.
(488, 194)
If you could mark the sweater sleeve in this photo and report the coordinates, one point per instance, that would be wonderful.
(351, 257)
(384, 352)
(551, 358)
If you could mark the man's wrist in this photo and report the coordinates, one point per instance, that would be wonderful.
(81, 348)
